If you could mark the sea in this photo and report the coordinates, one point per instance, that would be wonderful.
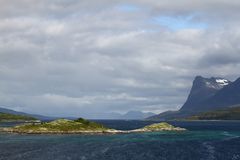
(203, 140)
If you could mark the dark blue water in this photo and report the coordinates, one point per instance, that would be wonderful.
(203, 141)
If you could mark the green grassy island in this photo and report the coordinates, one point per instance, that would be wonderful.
(6, 117)
(163, 126)
(81, 126)
(156, 127)
(59, 126)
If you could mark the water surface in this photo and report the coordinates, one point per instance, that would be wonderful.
(219, 140)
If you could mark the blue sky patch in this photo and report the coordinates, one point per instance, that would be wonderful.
(180, 22)
(128, 7)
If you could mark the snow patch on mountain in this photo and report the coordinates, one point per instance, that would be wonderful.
(222, 82)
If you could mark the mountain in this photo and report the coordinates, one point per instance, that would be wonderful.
(202, 89)
(206, 94)
(228, 96)
(9, 111)
(13, 117)
(136, 115)
(130, 115)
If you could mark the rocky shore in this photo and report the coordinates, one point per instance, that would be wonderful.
(82, 126)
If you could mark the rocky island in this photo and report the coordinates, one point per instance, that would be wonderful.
(163, 126)
(81, 126)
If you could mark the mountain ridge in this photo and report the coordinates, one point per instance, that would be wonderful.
(206, 94)
(10, 111)
(130, 115)
(203, 89)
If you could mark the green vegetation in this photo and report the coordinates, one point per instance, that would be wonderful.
(163, 126)
(59, 126)
(158, 126)
(65, 126)
(12, 117)
(232, 113)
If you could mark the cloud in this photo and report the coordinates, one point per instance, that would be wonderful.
(88, 58)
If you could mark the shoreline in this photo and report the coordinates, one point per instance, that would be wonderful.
(213, 120)
(105, 132)
(82, 126)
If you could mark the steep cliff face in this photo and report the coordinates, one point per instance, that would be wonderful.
(203, 89)
(207, 94)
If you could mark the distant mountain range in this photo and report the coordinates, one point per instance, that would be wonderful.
(136, 115)
(7, 117)
(9, 111)
(207, 94)
(131, 115)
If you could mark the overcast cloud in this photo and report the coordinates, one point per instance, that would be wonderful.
(89, 58)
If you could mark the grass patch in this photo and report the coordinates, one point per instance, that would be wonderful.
(62, 125)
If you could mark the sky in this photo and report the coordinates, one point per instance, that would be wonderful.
(91, 58)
